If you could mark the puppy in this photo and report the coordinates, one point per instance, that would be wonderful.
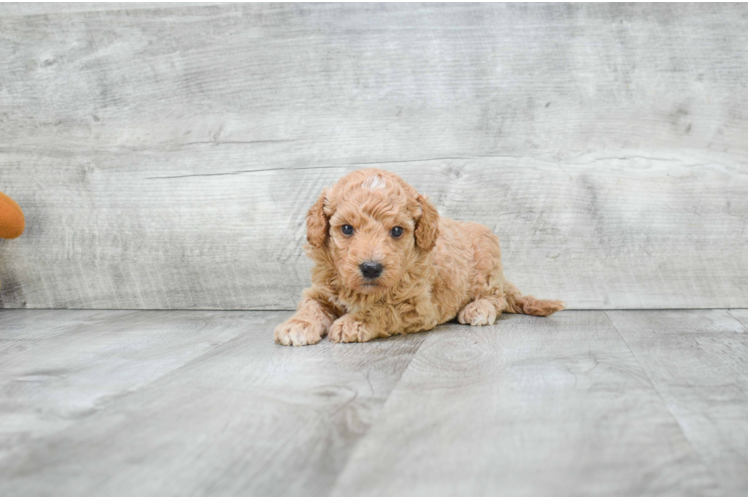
(385, 263)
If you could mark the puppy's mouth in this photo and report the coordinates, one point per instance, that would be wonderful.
(370, 286)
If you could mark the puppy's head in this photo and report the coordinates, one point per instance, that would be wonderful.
(374, 226)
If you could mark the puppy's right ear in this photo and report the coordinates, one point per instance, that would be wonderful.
(317, 225)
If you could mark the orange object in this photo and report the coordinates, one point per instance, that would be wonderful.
(12, 222)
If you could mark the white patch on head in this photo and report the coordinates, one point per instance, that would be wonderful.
(374, 182)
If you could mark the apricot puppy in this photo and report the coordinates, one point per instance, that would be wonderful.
(385, 263)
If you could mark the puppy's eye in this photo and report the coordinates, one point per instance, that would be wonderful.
(396, 232)
(347, 230)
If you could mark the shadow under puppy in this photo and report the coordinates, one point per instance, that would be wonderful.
(385, 263)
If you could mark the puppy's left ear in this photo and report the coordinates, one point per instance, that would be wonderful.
(317, 225)
(427, 225)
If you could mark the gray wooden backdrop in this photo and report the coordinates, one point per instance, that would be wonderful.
(165, 155)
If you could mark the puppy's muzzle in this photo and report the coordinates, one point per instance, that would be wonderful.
(371, 270)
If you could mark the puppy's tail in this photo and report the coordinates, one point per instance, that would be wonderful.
(527, 304)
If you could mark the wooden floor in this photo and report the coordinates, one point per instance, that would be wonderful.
(204, 403)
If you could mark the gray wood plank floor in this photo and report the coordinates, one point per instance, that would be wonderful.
(203, 402)
(166, 155)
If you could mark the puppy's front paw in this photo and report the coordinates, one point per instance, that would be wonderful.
(347, 329)
(478, 313)
(298, 332)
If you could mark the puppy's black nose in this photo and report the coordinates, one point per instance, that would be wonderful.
(371, 270)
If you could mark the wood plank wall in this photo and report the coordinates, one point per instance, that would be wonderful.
(166, 155)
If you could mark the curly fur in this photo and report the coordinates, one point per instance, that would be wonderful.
(438, 269)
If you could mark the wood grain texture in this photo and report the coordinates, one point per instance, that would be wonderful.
(554, 406)
(203, 403)
(46, 8)
(245, 418)
(21, 329)
(697, 362)
(59, 367)
(165, 157)
(741, 315)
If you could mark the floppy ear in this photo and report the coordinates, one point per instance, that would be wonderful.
(427, 225)
(317, 225)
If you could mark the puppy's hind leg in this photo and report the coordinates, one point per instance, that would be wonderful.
(478, 313)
